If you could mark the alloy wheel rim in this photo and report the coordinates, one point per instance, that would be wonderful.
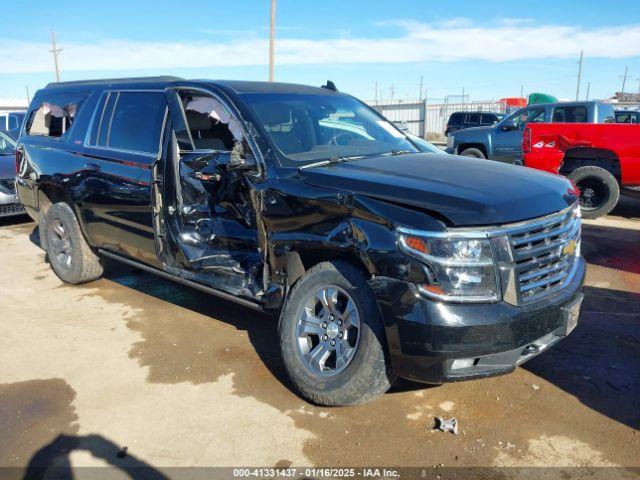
(328, 330)
(61, 244)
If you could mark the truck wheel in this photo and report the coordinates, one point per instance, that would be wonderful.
(332, 339)
(70, 256)
(472, 152)
(599, 190)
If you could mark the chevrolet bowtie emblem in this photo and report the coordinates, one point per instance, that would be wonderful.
(569, 248)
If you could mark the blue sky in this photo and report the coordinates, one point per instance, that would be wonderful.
(489, 48)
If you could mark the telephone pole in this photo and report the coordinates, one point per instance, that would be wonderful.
(638, 99)
(28, 97)
(272, 41)
(421, 81)
(588, 88)
(376, 93)
(56, 52)
(624, 83)
(579, 75)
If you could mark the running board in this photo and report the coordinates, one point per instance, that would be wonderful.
(183, 281)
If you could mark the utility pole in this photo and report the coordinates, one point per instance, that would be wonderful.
(638, 99)
(588, 88)
(28, 98)
(579, 75)
(391, 91)
(376, 93)
(421, 81)
(462, 98)
(624, 83)
(56, 52)
(272, 41)
(522, 91)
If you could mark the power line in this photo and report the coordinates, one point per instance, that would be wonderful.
(588, 88)
(624, 82)
(272, 41)
(56, 52)
(579, 75)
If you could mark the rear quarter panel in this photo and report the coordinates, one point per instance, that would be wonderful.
(550, 142)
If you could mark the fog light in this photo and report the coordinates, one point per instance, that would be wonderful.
(461, 363)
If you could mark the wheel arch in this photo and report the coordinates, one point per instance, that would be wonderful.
(591, 157)
(303, 258)
(50, 193)
(478, 146)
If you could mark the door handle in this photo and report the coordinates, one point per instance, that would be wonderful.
(94, 167)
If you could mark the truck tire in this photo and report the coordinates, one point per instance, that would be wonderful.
(472, 152)
(599, 190)
(332, 339)
(70, 256)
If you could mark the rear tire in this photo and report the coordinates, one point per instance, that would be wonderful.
(70, 256)
(599, 191)
(354, 369)
(472, 152)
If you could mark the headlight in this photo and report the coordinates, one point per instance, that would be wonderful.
(459, 268)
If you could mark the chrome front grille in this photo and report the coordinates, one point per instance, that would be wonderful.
(544, 253)
(8, 186)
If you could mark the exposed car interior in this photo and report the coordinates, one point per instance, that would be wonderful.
(210, 199)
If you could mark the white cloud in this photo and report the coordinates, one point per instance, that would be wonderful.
(513, 39)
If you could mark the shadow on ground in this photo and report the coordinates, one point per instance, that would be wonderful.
(53, 460)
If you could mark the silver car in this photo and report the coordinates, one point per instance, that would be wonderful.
(9, 204)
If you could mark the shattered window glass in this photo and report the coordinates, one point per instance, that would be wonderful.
(55, 115)
(212, 125)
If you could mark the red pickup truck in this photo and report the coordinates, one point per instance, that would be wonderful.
(598, 158)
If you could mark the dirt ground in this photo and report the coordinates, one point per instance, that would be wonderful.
(181, 378)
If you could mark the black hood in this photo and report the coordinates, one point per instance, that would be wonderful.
(467, 191)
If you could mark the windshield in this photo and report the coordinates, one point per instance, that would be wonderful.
(424, 146)
(309, 128)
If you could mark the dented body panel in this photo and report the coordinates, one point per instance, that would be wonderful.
(548, 144)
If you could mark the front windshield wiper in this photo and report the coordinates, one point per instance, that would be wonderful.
(399, 152)
(333, 161)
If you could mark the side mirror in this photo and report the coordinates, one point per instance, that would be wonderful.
(509, 127)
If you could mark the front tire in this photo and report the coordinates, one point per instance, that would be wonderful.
(472, 152)
(599, 191)
(70, 256)
(332, 338)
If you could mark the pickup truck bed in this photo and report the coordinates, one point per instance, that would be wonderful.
(598, 158)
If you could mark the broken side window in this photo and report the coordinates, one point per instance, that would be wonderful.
(211, 124)
(55, 115)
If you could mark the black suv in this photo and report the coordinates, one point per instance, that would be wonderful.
(378, 260)
(462, 120)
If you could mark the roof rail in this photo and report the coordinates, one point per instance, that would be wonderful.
(107, 81)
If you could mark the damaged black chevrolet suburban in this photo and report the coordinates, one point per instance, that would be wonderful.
(379, 261)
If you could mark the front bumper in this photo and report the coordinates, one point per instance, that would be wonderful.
(9, 203)
(425, 337)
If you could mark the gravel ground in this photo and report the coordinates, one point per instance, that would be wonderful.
(180, 378)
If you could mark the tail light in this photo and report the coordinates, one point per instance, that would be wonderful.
(526, 140)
